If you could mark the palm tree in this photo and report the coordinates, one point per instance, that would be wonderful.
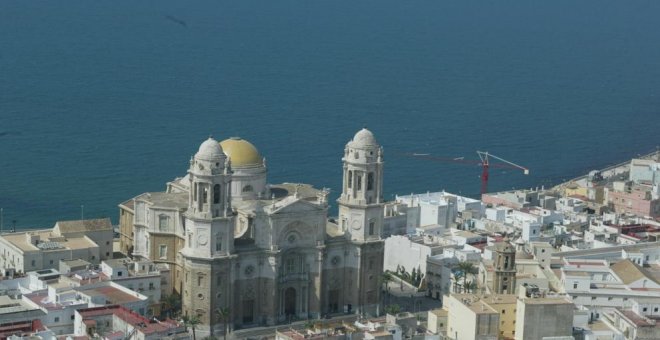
(191, 321)
(471, 287)
(171, 303)
(223, 316)
(468, 269)
(457, 277)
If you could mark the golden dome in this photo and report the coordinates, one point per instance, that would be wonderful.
(241, 152)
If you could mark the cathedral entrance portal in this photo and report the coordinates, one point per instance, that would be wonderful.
(290, 302)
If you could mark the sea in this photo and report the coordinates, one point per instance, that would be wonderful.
(103, 100)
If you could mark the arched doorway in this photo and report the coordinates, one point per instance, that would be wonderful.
(290, 301)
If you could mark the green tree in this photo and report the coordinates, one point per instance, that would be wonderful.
(171, 305)
(393, 309)
(458, 275)
(413, 276)
(223, 316)
(192, 322)
(471, 287)
(468, 269)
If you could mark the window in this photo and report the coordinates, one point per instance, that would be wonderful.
(162, 252)
(645, 309)
(247, 188)
(33, 263)
(57, 319)
(655, 309)
(609, 298)
(350, 178)
(199, 281)
(359, 182)
(370, 181)
(371, 228)
(593, 298)
(72, 317)
(503, 312)
(205, 195)
(120, 273)
(290, 265)
(575, 285)
(163, 223)
(51, 261)
(218, 242)
(216, 194)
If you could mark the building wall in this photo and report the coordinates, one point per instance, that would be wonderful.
(401, 251)
(465, 323)
(126, 217)
(534, 321)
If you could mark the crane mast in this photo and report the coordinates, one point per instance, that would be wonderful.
(483, 155)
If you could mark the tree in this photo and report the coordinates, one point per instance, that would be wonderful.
(457, 278)
(385, 279)
(468, 269)
(171, 304)
(223, 316)
(393, 309)
(413, 277)
(192, 322)
(471, 287)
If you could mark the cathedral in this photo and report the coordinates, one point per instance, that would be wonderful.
(265, 252)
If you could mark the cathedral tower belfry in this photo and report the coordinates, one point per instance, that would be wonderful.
(504, 279)
(361, 200)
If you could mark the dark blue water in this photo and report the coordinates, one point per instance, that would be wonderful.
(103, 100)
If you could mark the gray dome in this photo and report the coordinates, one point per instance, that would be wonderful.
(364, 138)
(210, 150)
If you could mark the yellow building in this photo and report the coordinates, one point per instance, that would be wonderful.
(505, 305)
(470, 317)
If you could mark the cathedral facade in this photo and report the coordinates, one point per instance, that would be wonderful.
(266, 253)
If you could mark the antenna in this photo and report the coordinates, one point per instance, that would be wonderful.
(1, 219)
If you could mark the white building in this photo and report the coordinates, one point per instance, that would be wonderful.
(68, 240)
(438, 208)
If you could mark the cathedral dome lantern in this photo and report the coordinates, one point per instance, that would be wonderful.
(249, 169)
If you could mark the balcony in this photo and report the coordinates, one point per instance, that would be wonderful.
(293, 277)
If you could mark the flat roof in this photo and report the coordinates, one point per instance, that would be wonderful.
(172, 200)
(547, 301)
(112, 295)
(143, 324)
(20, 241)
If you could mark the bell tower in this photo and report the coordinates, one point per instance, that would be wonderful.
(504, 279)
(361, 200)
(209, 218)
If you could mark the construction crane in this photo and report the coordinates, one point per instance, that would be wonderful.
(483, 161)
(485, 164)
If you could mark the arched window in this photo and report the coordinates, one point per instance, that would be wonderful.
(350, 178)
(216, 194)
(247, 188)
(359, 182)
(205, 195)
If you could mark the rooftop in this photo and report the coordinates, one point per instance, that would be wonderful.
(19, 240)
(112, 295)
(84, 225)
(143, 324)
(178, 200)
